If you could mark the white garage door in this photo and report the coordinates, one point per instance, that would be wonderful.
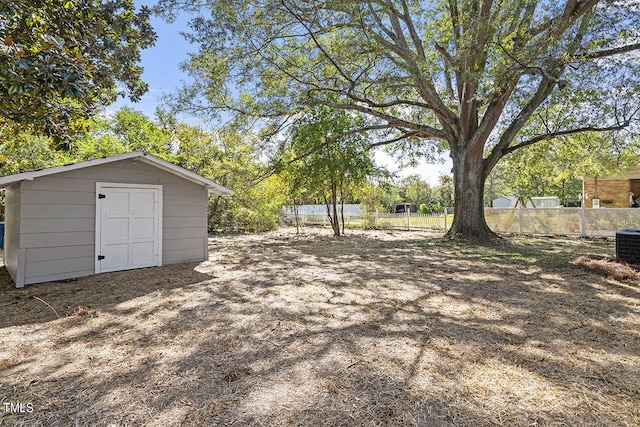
(128, 226)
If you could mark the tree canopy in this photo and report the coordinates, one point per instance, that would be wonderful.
(326, 161)
(468, 76)
(227, 156)
(60, 60)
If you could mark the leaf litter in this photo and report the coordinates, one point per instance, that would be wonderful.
(378, 328)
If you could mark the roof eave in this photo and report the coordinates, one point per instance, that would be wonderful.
(220, 191)
(211, 186)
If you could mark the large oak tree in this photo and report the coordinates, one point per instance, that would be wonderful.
(468, 76)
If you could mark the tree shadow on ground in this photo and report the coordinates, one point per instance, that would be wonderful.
(355, 331)
(45, 302)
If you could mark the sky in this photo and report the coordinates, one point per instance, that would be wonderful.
(163, 75)
(161, 64)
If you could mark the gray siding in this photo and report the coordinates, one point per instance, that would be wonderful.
(12, 232)
(58, 218)
(184, 222)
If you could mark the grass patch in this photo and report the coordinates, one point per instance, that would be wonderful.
(556, 253)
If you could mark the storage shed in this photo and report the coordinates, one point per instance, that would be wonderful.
(127, 211)
(504, 202)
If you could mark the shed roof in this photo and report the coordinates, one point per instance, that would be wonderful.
(211, 186)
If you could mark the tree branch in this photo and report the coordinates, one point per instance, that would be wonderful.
(610, 52)
(392, 121)
(404, 135)
(417, 41)
(544, 89)
(270, 170)
(318, 45)
(425, 85)
(565, 133)
(548, 82)
(573, 10)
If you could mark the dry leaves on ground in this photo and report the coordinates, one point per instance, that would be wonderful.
(376, 328)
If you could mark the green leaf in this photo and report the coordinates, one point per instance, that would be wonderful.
(44, 39)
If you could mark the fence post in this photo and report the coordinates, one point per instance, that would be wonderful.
(521, 220)
(445, 219)
(583, 220)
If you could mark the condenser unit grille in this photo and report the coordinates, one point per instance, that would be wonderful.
(628, 246)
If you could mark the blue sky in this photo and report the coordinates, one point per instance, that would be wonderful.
(161, 64)
(162, 72)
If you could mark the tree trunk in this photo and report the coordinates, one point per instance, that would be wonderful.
(296, 215)
(335, 223)
(342, 204)
(469, 178)
(332, 210)
(342, 215)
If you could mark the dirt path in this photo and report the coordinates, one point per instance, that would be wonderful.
(377, 328)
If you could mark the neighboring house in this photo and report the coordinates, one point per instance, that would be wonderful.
(613, 192)
(539, 202)
(504, 202)
(404, 208)
(122, 212)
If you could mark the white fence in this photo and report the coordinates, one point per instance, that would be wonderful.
(351, 208)
(408, 221)
(546, 221)
(562, 221)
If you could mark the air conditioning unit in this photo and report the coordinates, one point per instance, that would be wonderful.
(628, 246)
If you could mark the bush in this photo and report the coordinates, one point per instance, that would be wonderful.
(231, 215)
(253, 208)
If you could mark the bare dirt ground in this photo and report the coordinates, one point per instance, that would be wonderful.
(377, 328)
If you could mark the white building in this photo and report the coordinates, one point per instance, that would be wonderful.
(539, 202)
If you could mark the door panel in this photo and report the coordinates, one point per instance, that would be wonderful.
(117, 256)
(118, 228)
(143, 228)
(142, 203)
(143, 253)
(129, 227)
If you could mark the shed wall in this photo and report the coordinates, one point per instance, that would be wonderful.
(58, 218)
(502, 202)
(11, 229)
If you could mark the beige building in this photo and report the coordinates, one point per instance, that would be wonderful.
(122, 212)
(613, 192)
